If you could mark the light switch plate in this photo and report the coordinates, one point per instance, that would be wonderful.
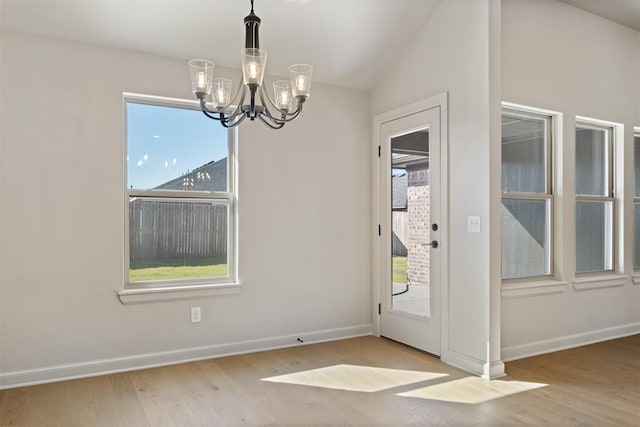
(195, 315)
(473, 224)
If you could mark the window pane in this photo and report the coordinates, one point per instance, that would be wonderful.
(176, 239)
(592, 161)
(636, 163)
(174, 149)
(526, 249)
(636, 236)
(594, 236)
(523, 154)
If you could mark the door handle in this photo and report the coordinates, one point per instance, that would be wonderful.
(434, 244)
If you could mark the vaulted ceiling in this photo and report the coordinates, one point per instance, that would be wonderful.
(349, 42)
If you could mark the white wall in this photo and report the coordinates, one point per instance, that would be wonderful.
(452, 53)
(305, 233)
(560, 58)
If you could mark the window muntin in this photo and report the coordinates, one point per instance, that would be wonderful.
(527, 196)
(595, 207)
(636, 199)
(180, 187)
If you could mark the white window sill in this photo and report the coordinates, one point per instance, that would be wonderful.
(636, 279)
(171, 293)
(599, 282)
(526, 289)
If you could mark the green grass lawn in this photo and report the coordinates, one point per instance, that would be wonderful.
(399, 267)
(177, 269)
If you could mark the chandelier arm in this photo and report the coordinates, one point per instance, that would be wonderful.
(241, 88)
(288, 119)
(284, 118)
(237, 111)
(210, 114)
(286, 113)
(226, 124)
(263, 120)
(222, 119)
(273, 104)
(295, 114)
(264, 104)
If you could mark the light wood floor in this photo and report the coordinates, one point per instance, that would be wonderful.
(596, 385)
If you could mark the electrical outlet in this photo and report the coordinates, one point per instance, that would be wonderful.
(195, 315)
(473, 224)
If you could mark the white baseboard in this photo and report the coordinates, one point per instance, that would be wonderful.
(151, 360)
(493, 370)
(474, 366)
(568, 341)
(464, 362)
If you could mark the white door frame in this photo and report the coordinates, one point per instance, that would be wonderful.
(440, 100)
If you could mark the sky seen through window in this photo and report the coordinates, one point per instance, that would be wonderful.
(164, 143)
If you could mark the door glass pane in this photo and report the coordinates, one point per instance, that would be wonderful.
(636, 163)
(636, 236)
(526, 237)
(636, 232)
(410, 223)
(592, 161)
(594, 236)
(524, 154)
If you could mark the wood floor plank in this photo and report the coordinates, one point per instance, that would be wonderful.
(595, 385)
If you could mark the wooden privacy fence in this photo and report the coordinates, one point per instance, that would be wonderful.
(172, 230)
(400, 224)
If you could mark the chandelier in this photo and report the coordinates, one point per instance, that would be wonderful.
(231, 111)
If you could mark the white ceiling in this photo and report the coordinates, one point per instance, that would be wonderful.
(349, 42)
(625, 12)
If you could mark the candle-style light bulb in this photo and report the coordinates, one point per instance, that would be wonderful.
(221, 96)
(282, 92)
(284, 98)
(253, 69)
(202, 81)
(301, 83)
(221, 91)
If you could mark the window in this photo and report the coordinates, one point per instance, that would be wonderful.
(180, 190)
(527, 194)
(594, 197)
(636, 199)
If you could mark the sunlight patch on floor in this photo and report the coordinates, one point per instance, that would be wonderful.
(471, 390)
(355, 378)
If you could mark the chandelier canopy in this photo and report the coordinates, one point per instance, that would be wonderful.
(296, 90)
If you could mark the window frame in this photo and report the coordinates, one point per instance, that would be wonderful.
(611, 129)
(228, 199)
(550, 120)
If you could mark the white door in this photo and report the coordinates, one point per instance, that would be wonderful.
(410, 230)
